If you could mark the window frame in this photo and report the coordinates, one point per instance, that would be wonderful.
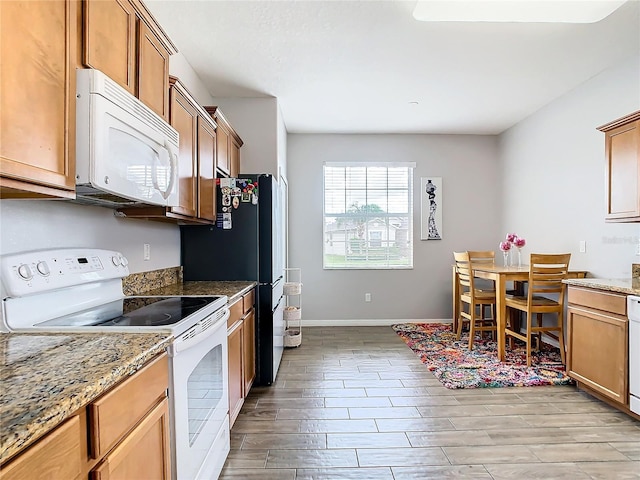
(371, 261)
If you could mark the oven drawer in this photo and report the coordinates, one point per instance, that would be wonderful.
(117, 412)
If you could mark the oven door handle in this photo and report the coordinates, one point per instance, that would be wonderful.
(182, 345)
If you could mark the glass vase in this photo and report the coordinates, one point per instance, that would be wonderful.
(519, 258)
(505, 255)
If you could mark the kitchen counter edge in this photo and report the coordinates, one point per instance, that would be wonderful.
(627, 286)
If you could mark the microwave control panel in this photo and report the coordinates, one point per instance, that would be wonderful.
(43, 270)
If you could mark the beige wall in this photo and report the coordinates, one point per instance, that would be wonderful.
(554, 175)
(471, 219)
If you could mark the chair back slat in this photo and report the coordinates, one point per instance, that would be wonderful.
(465, 274)
(482, 257)
(546, 274)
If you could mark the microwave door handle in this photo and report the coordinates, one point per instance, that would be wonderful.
(173, 165)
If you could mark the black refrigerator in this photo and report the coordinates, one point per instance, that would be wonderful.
(247, 243)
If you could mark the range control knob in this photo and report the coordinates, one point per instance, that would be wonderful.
(43, 269)
(25, 272)
(123, 261)
(116, 260)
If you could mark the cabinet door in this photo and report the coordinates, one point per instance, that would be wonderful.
(153, 71)
(55, 456)
(183, 117)
(236, 397)
(116, 412)
(249, 351)
(222, 149)
(110, 40)
(38, 47)
(597, 350)
(206, 170)
(623, 172)
(234, 158)
(144, 453)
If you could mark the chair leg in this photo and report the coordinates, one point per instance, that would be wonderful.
(561, 338)
(529, 339)
(539, 319)
(472, 326)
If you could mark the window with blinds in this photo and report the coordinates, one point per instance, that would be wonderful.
(368, 215)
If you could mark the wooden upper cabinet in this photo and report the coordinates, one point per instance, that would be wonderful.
(228, 144)
(123, 40)
(109, 32)
(622, 153)
(222, 147)
(184, 119)
(206, 169)
(234, 158)
(153, 71)
(39, 50)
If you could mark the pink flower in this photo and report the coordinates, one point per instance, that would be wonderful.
(519, 242)
(505, 246)
(511, 237)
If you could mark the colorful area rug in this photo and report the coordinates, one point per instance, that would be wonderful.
(456, 367)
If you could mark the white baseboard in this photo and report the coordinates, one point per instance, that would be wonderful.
(369, 322)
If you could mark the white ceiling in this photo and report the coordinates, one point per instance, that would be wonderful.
(355, 66)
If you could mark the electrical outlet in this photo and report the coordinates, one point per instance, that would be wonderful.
(583, 246)
(146, 252)
(367, 297)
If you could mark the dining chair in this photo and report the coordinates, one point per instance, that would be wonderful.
(473, 298)
(480, 258)
(546, 273)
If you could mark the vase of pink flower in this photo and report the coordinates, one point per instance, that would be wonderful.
(505, 247)
(519, 242)
(512, 240)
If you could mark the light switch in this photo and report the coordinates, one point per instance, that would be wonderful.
(583, 246)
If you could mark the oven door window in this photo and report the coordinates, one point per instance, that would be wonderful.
(205, 388)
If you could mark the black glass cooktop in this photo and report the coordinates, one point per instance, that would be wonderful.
(135, 312)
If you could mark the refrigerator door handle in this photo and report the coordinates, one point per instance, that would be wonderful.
(277, 280)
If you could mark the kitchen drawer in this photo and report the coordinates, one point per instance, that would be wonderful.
(236, 312)
(598, 299)
(55, 456)
(117, 412)
(248, 300)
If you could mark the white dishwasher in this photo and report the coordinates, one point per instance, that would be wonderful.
(633, 309)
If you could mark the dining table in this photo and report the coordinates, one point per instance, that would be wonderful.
(501, 275)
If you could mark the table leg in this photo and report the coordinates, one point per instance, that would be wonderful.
(501, 314)
(456, 303)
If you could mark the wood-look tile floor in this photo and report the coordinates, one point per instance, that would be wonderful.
(356, 403)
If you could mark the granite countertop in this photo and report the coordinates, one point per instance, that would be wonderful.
(46, 377)
(627, 286)
(232, 289)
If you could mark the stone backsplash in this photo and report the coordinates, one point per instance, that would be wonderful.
(139, 283)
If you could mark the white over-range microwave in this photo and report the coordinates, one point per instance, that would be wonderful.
(126, 154)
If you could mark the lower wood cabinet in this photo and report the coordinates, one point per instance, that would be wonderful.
(144, 453)
(241, 337)
(57, 455)
(124, 434)
(598, 332)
